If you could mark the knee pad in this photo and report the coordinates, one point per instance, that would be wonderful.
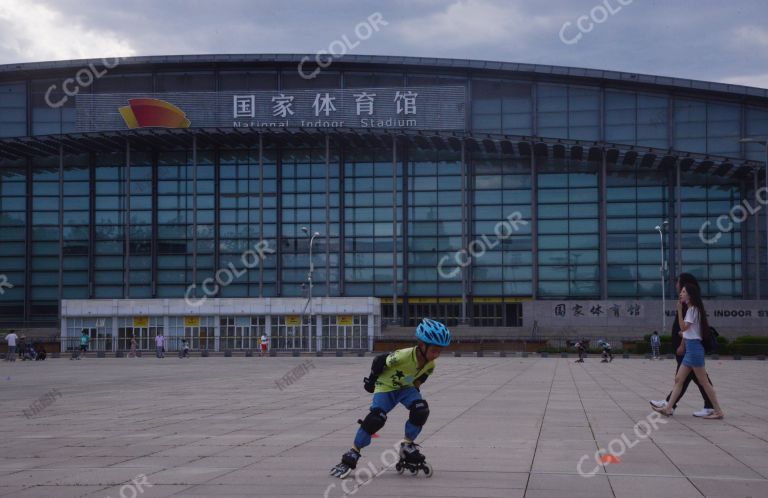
(374, 421)
(419, 412)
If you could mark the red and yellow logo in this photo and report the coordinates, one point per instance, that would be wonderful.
(147, 113)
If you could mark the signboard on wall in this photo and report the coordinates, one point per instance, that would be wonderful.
(605, 310)
(430, 108)
(293, 320)
(345, 320)
(141, 321)
(191, 321)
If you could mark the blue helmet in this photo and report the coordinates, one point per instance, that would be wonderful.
(433, 332)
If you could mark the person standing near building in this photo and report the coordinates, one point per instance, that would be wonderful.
(694, 329)
(160, 345)
(132, 354)
(11, 339)
(83, 343)
(655, 344)
(264, 345)
(21, 347)
(677, 344)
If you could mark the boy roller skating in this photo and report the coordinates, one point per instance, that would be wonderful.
(580, 349)
(607, 353)
(395, 378)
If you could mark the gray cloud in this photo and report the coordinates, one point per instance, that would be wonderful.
(699, 39)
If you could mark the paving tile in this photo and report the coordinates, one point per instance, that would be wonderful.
(499, 427)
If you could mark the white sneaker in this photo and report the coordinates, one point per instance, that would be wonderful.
(703, 412)
(658, 403)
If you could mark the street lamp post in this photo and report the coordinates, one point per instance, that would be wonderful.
(662, 270)
(309, 277)
(764, 142)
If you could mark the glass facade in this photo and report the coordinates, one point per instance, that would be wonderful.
(13, 110)
(502, 190)
(309, 199)
(102, 230)
(75, 226)
(13, 242)
(88, 226)
(705, 199)
(45, 261)
(108, 225)
(434, 220)
(636, 119)
(247, 199)
(369, 186)
(637, 201)
(568, 231)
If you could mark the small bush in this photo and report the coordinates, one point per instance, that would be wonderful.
(749, 345)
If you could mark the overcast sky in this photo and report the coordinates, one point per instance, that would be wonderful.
(700, 39)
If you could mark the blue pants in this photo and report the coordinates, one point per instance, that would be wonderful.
(387, 401)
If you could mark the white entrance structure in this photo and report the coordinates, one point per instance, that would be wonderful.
(349, 323)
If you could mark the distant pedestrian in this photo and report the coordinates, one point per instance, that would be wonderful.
(184, 348)
(264, 346)
(655, 344)
(21, 347)
(132, 353)
(84, 338)
(11, 339)
(160, 345)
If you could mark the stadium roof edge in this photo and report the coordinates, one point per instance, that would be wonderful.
(426, 62)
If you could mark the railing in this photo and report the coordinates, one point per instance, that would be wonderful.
(542, 344)
(287, 342)
(564, 344)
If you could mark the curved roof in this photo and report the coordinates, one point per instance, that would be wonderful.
(595, 75)
(514, 145)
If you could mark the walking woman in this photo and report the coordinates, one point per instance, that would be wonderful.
(694, 329)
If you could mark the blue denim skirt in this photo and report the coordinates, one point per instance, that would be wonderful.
(694, 353)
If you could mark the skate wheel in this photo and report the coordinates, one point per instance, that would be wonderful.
(400, 469)
(428, 470)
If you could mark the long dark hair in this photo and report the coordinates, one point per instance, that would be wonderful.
(686, 278)
(694, 293)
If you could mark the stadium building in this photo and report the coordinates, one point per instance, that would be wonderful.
(171, 193)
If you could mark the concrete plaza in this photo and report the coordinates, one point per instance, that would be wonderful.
(499, 427)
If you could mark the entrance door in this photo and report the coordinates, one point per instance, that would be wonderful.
(144, 340)
(243, 337)
(293, 334)
(345, 332)
(200, 337)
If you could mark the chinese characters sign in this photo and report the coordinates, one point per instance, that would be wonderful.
(432, 108)
(598, 310)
